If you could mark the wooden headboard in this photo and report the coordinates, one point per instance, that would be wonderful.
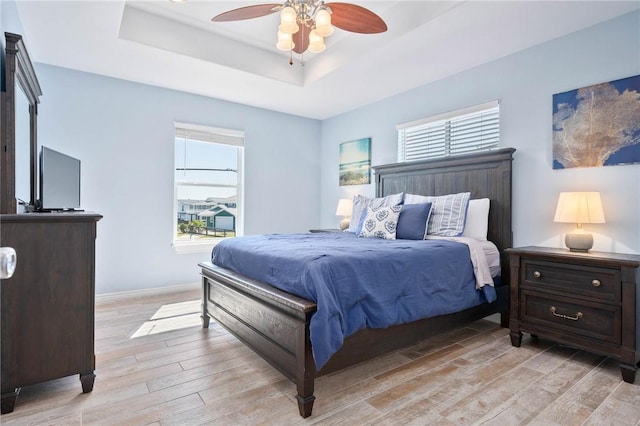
(485, 175)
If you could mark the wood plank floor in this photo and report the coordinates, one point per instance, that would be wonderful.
(190, 376)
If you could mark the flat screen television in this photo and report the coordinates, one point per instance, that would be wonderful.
(59, 181)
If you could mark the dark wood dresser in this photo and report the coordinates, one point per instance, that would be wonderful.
(48, 304)
(589, 301)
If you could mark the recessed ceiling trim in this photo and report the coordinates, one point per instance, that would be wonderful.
(153, 30)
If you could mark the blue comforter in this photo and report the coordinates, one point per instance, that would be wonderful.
(357, 282)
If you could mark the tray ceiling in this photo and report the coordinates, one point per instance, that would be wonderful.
(176, 46)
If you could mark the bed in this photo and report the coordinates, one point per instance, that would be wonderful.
(276, 324)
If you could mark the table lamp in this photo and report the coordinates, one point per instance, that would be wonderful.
(579, 208)
(345, 206)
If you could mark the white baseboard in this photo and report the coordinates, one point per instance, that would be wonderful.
(110, 297)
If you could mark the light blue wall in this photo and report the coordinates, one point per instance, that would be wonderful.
(524, 83)
(9, 22)
(123, 134)
(9, 18)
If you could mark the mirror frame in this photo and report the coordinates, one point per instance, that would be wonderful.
(19, 74)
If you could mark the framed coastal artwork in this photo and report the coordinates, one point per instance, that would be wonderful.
(597, 125)
(355, 162)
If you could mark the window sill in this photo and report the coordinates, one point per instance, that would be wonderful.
(194, 246)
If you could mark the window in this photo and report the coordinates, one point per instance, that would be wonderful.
(208, 186)
(459, 132)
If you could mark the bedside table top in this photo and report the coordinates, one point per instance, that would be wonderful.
(315, 231)
(564, 253)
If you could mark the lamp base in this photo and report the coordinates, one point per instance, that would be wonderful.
(578, 241)
(344, 223)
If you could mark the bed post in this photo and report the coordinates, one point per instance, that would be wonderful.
(305, 369)
(204, 315)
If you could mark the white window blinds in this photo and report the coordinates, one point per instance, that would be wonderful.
(459, 132)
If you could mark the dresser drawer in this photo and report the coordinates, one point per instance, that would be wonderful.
(593, 320)
(598, 283)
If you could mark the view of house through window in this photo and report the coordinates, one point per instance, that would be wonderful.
(208, 176)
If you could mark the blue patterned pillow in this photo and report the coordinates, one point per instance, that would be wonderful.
(448, 212)
(380, 222)
(360, 204)
(412, 222)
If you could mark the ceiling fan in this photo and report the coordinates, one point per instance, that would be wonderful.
(305, 23)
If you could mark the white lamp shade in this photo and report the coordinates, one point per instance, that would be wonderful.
(285, 41)
(345, 206)
(288, 20)
(316, 43)
(323, 23)
(579, 208)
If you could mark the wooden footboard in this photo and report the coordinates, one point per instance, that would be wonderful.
(273, 323)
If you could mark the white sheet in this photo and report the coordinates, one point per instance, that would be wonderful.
(485, 258)
(492, 254)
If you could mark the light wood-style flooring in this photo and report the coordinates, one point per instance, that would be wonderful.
(193, 376)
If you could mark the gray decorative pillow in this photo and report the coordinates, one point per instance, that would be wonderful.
(448, 212)
(360, 204)
(380, 222)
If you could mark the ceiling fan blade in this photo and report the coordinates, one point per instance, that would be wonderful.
(301, 38)
(247, 12)
(356, 19)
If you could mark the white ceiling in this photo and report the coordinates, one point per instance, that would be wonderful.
(175, 45)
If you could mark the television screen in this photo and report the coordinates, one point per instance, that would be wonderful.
(59, 181)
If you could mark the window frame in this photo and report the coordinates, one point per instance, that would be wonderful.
(441, 123)
(215, 135)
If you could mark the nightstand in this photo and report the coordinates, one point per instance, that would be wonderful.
(315, 231)
(590, 301)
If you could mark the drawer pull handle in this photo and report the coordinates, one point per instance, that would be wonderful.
(596, 283)
(555, 314)
(537, 274)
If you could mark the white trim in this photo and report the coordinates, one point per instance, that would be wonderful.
(219, 136)
(447, 115)
(203, 128)
(198, 246)
(209, 134)
(240, 194)
(120, 295)
(213, 185)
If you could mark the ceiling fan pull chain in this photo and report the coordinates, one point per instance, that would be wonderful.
(302, 53)
(291, 57)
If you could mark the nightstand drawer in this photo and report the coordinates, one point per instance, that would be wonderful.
(601, 322)
(599, 283)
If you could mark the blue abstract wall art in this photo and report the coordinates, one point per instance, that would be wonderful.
(597, 125)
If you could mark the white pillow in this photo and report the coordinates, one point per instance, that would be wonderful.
(381, 222)
(360, 204)
(477, 224)
(448, 212)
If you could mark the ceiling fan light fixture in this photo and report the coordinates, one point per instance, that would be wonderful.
(323, 23)
(285, 41)
(316, 42)
(305, 23)
(288, 21)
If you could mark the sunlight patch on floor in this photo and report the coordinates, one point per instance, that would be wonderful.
(173, 316)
